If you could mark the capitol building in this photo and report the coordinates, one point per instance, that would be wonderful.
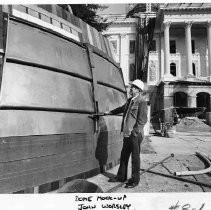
(179, 58)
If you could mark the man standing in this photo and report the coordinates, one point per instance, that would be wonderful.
(134, 118)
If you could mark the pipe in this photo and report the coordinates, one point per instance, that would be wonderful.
(144, 171)
(160, 162)
(181, 179)
(203, 171)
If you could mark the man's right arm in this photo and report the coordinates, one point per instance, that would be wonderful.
(118, 110)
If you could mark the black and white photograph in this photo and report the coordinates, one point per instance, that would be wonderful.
(105, 105)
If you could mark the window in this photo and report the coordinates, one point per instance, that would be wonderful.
(193, 46)
(132, 46)
(180, 99)
(132, 72)
(152, 46)
(173, 69)
(172, 46)
(194, 69)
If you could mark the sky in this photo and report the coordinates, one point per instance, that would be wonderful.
(94, 2)
(119, 8)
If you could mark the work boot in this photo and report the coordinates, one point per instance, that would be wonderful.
(115, 179)
(129, 181)
(131, 185)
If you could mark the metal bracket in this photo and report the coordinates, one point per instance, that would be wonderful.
(94, 86)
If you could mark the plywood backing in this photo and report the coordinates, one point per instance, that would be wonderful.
(36, 160)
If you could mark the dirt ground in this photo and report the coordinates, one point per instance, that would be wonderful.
(161, 178)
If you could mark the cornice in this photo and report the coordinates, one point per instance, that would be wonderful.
(187, 9)
(124, 23)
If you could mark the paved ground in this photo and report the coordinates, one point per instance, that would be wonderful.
(184, 146)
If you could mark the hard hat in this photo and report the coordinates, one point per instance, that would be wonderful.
(138, 83)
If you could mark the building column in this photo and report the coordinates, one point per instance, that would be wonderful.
(124, 53)
(210, 104)
(191, 101)
(209, 49)
(188, 47)
(168, 101)
(161, 57)
(166, 49)
(119, 49)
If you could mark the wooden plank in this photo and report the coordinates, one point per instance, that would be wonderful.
(102, 43)
(36, 171)
(22, 148)
(46, 7)
(22, 181)
(64, 14)
(33, 13)
(93, 37)
(89, 34)
(112, 55)
(29, 190)
(14, 168)
(77, 21)
(20, 8)
(114, 152)
(59, 11)
(96, 34)
(54, 9)
(105, 138)
(108, 147)
(62, 182)
(53, 15)
(111, 123)
(66, 28)
(84, 33)
(45, 18)
(44, 188)
(36, 190)
(54, 186)
(1, 33)
(56, 23)
(25, 154)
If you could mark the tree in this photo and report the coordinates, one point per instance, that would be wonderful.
(88, 13)
(144, 37)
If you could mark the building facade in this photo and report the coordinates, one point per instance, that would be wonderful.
(179, 66)
(122, 35)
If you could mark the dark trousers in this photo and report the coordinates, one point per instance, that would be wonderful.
(131, 146)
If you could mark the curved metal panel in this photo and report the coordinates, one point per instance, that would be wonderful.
(25, 122)
(34, 87)
(109, 98)
(107, 73)
(33, 45)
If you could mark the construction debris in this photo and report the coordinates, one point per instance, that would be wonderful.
(191, 123)
(180, 178)
(203, 171)
(143, 171)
